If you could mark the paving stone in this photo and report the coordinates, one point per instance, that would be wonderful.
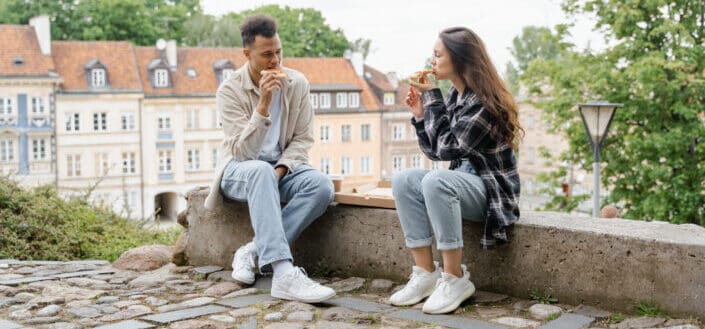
(155, 301)
(83, 273)
(190, 313)
(125, 303)
(517, 322)
(106, 308)
(129, 313)
(593, 312)
(336, 325)
(342, 314)
(358, 304)
(79, 303)
(107, 300)
(22, 314)
(181, 269)
(242, 312)
(198, 324)
(274, 316)
(263, 283)
(245, 301)
(9, 324)
(18, 281)
(492, 312)
(130, 324)
(222, 318)
(154, 278)
(523, 305)
(465, 323)
(10, 276)
(63, 325)
(8, 291)
(486, 297)
(642, 322)
(243, 292)
(294, 306)
(95, 262)
(186, 304)
(49, 310)
(418, 316)
(684, 326)
(219, 276)
(347, 285)
(205, 270)
(84, 312)
(381, 285)
(222, 288)
(250, 324)
(25, 296)
(70, 293)
(544, 311)
(48, 300)
(7, 301)
(43, 320)
(301, 316)
(284, 325)
(569, 321)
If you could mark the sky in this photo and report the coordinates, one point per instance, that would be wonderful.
(403, 31)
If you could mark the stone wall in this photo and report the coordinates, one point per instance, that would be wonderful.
(609, 263)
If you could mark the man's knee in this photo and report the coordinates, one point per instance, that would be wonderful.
(322, 187)
(257, 169)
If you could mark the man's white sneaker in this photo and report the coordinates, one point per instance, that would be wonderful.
(450, 292)
(244, 264)
(295, 285)
(420, 286)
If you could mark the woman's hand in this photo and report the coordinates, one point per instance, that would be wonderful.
(413, 100)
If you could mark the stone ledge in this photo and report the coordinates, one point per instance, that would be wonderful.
(607, 263)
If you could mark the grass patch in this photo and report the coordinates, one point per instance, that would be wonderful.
(553, 316)
(616, 318)
(543, 298)
(649, 309)
(39, 224)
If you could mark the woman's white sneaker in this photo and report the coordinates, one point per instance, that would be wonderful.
(244, 264)
(296, 285)
(420, 286)
(450, 292)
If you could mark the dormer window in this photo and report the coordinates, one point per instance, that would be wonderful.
(18, 60)
(389, 99)
(191, 73)
(223, 68)
(98, 78)
(161, 78)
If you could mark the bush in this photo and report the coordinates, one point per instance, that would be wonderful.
(39, 224)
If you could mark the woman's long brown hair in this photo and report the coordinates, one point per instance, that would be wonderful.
(470, 60)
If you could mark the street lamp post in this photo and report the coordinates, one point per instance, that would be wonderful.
(597, 117)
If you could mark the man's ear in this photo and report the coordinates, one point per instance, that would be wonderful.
(246, 52)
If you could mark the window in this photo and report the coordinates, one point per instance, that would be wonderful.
(193, 159)
(398, 132)
(397, 164)
(341, 100)
(191, 73)
(161, 78)
(37, 105)
(127, 121)
(353, 100)
(530, 155)
(215, 158)
(314, 100)
(100, 121)
(365, 132)
(73, 165)
(192, 119)
(389, 99)
(98, 78)
(324, 101)
(132, 200)
(325, 166)
(164, 122)
(103, 164)
(7, 150)
(165, 161)
(346, 166)
(227, 73)
(73, 122)
(345, 132)
(39, 149)
(365, 166)
(5, 106)
(417, 162)
(325, 134)
(128, 163)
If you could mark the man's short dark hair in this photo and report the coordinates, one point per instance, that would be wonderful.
(253, 26)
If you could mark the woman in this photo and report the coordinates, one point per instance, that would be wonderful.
(475, 129)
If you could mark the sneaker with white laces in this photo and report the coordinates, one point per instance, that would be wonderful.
(420, 286)
(296, 285)
(244, 264)
(450, 292)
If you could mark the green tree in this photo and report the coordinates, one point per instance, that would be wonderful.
(207, 31)
(534, 43)
(361, 45)
(142, 22)
(654, 156)
(303, 31)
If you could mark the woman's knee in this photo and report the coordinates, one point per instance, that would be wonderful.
(434, 184)
(403, 180)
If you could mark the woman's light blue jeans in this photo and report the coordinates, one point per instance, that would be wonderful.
(436, 202)
(306, 192)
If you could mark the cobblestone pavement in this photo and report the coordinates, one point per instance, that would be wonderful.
(88, 294)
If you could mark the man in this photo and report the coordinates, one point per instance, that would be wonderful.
(263, 161)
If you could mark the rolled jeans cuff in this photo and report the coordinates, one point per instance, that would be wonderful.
(419, 243)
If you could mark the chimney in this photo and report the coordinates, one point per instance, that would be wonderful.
(393, 79)
(171, 53)
(358, 62)
(43, 29)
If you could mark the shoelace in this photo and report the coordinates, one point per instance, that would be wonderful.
(302, 277)
(414, 281)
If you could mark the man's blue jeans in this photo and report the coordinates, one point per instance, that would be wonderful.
(306, 192)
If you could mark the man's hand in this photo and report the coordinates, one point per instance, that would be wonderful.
(267, 85)
(281, 171)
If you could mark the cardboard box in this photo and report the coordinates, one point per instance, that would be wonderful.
(370, 195)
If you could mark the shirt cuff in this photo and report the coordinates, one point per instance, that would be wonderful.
(259, 120)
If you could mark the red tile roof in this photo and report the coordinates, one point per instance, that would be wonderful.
(118, 57)
(378, 79)
(21, 41)
(199, 59)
